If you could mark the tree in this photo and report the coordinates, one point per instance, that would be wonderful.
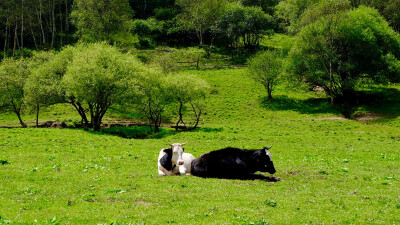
(265, 68)
(201, 15)
(268, 6)
(34, 24)
(328, 10)
(359, 46)
(291, 11)
(152, 96)
(188, 91)
(247, 24)
(102, 20)
(99, 75)
(43, 86)
(13, 75)
(392, 13)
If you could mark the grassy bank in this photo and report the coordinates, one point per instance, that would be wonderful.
(333, 170)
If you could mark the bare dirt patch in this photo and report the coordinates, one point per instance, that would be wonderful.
(142, 203)
(332, 118)
(361, 117)
(368, 116)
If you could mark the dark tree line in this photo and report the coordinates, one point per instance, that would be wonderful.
(34, 24)
(27, 25)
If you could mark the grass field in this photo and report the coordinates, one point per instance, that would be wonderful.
(333, 170)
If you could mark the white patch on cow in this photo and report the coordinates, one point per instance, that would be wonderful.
(177, 152)
(178, 157)
(268, 153)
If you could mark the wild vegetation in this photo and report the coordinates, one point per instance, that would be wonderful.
(125, 78)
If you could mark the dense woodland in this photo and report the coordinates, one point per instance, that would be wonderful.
(82, 52)
(51, 24)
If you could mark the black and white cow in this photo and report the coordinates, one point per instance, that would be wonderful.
(235, 163)
(173, 161)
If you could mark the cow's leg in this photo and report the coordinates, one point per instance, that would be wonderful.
(163, 172)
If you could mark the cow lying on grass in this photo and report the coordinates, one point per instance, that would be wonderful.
(235, 163)
(173, 161)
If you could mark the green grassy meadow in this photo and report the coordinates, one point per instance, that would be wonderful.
(333, 170)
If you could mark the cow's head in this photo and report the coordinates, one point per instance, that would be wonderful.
(177, 152)
(264, 161)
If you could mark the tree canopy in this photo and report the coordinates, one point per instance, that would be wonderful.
(337, 56)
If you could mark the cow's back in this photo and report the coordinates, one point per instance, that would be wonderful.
(227, 162)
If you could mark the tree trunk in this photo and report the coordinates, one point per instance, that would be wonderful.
(5, 39)
(66, 22)
(53, 19)
(20, 120)
(41, 23)
(268, 86)
(82, 113)
(156, 128)
(37, 115)
(22, 28)
(96, 123)
(15, 39)
(269, 93)
(18, 113)
(197, 115)
(180, 116)
(33, 36)
(61, 30)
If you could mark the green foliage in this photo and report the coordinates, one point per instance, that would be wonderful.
(246, 24)
(100, 76)
(201, 15)
(290, 11)
(337, 52)
(268, 6)
(104, 20)
(146, 30)
(152, 96)
(392, 14)
(265, 68)
(329, 8)
(188, 91)
(13, 76)
(63, 173)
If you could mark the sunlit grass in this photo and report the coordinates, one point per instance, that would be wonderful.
(333, 170)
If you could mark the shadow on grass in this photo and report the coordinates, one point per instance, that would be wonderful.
(147, 132)
(140, 132)
(207, 130)
(380, 100)
(307, 106)
(384, 101)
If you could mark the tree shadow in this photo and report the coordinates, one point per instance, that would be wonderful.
(382, 101)
(305, 106)
(137, 132)
(146, 132)
(207, 130)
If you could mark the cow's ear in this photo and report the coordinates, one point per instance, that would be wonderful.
(267, 148)
(168, 150)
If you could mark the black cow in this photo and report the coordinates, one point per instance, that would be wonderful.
(235, 163)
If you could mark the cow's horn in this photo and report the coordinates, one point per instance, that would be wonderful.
(184, 143)
(170, 144)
